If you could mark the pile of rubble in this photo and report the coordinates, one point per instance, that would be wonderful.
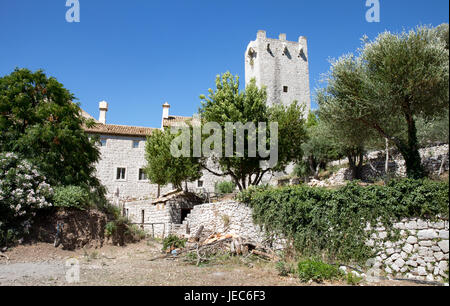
(205, 245)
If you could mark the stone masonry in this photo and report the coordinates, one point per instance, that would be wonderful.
(281, 66)
(421, 253)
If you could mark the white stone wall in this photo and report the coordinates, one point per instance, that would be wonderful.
(229, 217)
(276, 63)
(421, 253)
(119, 153)
(152, 214)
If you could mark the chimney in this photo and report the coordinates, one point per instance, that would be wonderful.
(165, 114)
(103, 106)
(282, 37)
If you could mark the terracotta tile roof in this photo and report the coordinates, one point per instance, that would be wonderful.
(175, 120)
(121, 130)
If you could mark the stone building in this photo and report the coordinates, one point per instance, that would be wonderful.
(280, 65)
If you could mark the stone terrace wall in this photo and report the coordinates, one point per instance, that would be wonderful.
(421, 253)
(228, 217)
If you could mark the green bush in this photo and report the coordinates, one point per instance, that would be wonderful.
(173, 241)
(317, 271)
(225, 187)
(332, 222)
(284, 268)
(71, 197)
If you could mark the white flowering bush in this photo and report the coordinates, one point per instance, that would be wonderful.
(23, 191)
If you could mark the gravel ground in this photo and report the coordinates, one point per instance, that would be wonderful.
(43, 265)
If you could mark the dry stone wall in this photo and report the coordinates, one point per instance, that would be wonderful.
(421, 253)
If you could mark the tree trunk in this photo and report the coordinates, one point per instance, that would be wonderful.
(386, 165)
(410, 151)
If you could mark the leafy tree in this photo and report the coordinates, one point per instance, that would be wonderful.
(39, 122)
(162, 167)
(226, 104)
(396, 78)
(319, 149)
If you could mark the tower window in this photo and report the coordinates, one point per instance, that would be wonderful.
(199, 184)
(285, 89)
(135, 144)
(103, 142)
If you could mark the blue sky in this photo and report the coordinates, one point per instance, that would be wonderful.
(137, 54)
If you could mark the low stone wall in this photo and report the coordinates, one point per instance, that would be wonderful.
(160, 218)
(421, 253)
(432, 158)
(229, 217)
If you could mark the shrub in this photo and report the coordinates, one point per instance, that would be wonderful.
(71, 197)
(332, 222)
(284, 268)
(317, 271)
(225, 187)
(23, 191)
(173, 241)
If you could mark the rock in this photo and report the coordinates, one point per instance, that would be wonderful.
(422, 271)
(411, 240)
(443, 234)
(395, 267)
(422, 224)
(391, 251)
(443, 266)
(388, 270)
(412, 225)
(412, 263)
(395, 256)
(421, 262)
(408, 248)
(426, 243)
(382, 235)
(438, 225)
(429, 259)
(436, 271)
(399, 263)
(439, 256)
(388, 244)
(435, 248)
(427, 234)
(404, 255)
(443, 245)
(430, 278)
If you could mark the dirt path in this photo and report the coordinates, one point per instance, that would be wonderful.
(42, 264)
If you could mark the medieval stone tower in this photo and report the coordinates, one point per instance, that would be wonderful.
(281, 66)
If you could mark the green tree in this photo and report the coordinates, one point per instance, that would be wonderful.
(396, 78)
(39, 122)
(163, 168)
(227, 104)
(319, 149)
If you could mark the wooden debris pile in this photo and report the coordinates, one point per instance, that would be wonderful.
(205, 246)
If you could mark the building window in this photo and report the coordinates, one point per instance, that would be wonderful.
(142, 175)
(200, 184)
(121, 172)
(103, 142)
(135, 144)
(285, 89)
